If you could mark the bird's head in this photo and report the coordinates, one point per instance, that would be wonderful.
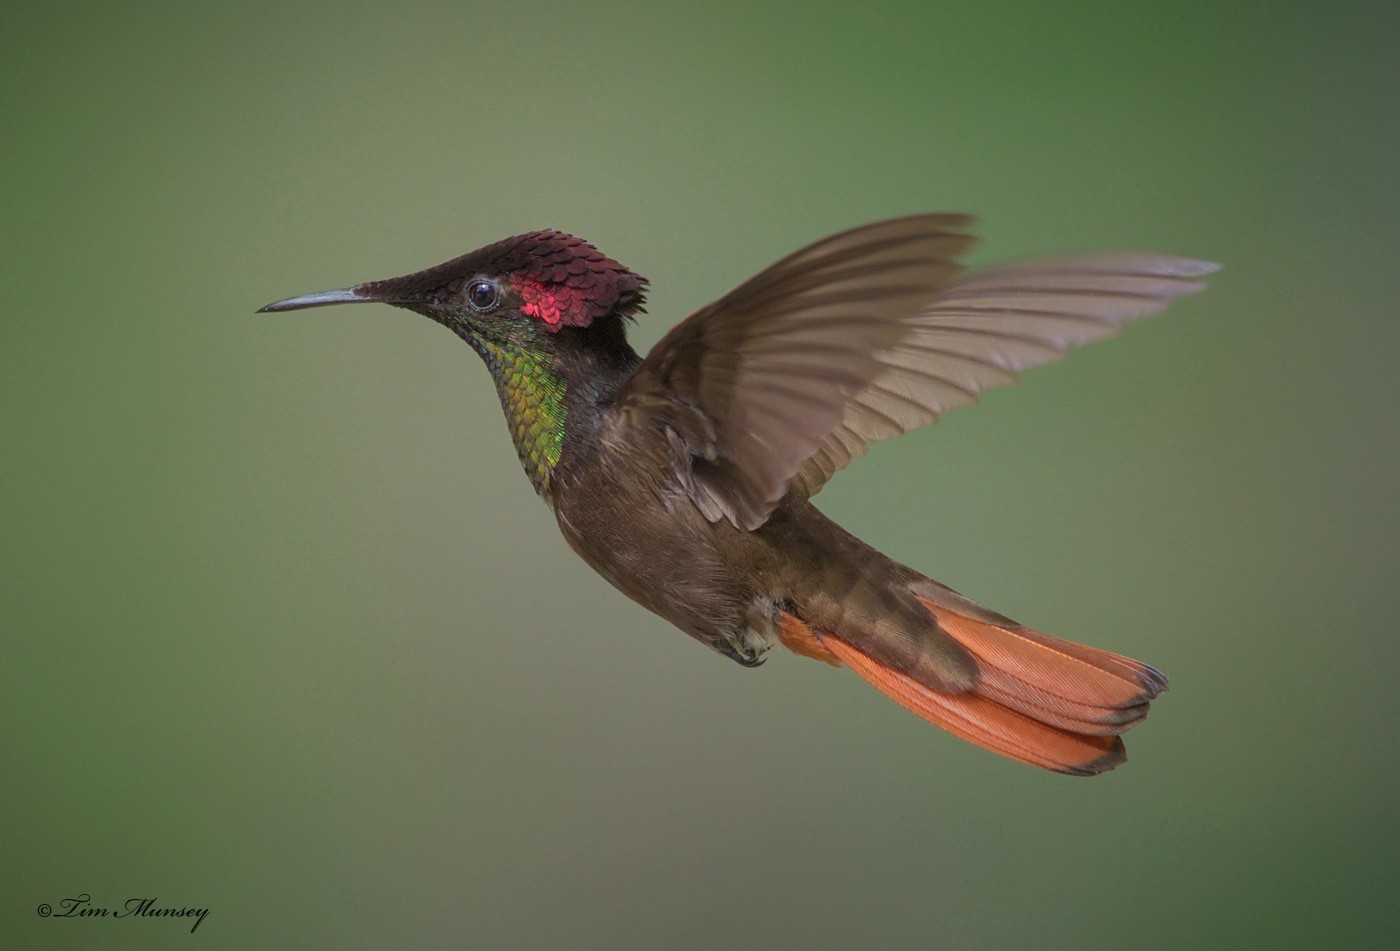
(524, 291)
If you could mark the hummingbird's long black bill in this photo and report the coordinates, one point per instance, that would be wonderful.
(347, 295)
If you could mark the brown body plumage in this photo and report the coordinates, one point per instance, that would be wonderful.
(685, 478)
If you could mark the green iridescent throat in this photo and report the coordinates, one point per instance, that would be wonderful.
(533, 398)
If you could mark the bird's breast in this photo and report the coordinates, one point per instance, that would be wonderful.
(626, 515)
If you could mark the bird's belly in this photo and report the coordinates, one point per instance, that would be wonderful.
(667, 558)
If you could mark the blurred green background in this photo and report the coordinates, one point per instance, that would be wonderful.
(288, 636)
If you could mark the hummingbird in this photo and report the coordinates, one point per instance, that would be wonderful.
(686, 478)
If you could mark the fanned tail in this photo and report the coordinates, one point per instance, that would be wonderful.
(1036, 698)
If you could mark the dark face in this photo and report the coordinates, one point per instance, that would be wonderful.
(483, 307)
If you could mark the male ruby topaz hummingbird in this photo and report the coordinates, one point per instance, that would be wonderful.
(685, 478)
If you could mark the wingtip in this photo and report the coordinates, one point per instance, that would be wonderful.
(1164, 265)
(1192, 267)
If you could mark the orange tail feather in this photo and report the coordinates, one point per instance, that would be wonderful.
(1038, 699)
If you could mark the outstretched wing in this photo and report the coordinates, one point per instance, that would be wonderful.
(860, 337)
(987, 326)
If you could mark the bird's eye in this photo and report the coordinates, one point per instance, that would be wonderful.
(483, 294)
